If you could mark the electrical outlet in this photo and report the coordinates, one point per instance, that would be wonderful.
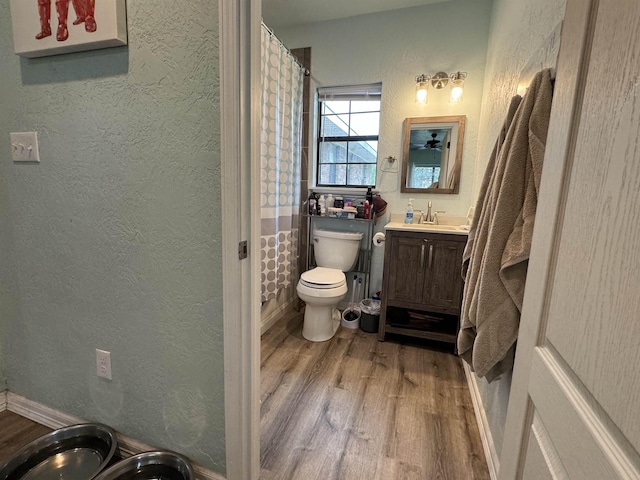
(103, 364)
(24, 147)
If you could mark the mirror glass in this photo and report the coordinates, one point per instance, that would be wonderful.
(432, 154)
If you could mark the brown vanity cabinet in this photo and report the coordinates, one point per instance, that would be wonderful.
(422, 285)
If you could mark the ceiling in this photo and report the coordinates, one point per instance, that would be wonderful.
(285, 13)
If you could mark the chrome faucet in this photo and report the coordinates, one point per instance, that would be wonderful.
(435, 217)
(430, 218)
(427, 218)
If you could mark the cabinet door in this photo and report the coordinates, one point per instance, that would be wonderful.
(443, 279)
(406, 270)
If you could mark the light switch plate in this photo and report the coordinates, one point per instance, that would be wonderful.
(24, 147)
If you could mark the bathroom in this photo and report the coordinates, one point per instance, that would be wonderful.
(390, 47)
(77, 242)
(94, 245)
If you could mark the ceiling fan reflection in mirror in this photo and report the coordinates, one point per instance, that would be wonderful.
(432, 144)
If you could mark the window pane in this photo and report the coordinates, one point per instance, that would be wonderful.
(332, 174)
(353, 114)
(362, 175)
(333, 152)
(368, 106)
(424, 177)
(335, 106)
(365, 123)
(335, 126)
(363, 152)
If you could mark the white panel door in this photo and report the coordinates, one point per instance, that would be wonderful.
(575, 402)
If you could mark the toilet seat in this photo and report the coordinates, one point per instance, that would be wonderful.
(323, 278)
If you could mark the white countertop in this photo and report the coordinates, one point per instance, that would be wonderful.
(427, 228)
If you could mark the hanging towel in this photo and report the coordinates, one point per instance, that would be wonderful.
(500, 246)
(379, 207)
(486, 183)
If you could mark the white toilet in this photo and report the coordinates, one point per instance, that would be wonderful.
(323, 287)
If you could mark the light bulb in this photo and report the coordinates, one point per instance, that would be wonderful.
(421, 95)
(421, 89)
(457, 87)
(456, 94)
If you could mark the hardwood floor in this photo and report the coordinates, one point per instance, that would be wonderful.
(16, 432)
(354, 408)
(351, 408)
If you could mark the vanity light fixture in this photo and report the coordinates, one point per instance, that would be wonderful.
(439, 81)
(457, 86)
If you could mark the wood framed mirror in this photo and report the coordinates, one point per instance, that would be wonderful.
(432, 154)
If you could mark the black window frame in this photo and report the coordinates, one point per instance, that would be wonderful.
(346, 93)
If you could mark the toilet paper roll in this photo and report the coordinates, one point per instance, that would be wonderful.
(378, 239)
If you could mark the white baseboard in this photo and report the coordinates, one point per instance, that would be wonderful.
(3, 401)
(493, 460)
(269, 321)
(54, 419)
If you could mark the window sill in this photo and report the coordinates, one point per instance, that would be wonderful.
(353, 191)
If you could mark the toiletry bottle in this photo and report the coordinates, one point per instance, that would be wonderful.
(369, 196)
(323, 205)
(366, 209)
(408, 217)
(312, 204)
(330, 201)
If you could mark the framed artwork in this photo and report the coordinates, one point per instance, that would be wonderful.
(52, 27)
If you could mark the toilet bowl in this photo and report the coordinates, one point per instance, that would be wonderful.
(323, 287)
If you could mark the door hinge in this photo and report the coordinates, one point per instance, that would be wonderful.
(242, 250)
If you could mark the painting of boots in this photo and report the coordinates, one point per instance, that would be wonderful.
(38, 31)
(78, 7)
(44, 11)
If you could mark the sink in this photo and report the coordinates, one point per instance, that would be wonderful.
(425, 227)
(439, 227)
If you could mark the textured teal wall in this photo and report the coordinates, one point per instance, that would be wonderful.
(113, 241)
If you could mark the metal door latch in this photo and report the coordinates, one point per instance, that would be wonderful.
(242, 250)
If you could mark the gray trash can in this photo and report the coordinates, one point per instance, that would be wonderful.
(370, 315)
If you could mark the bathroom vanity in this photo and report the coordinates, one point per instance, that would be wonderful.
(422, 282)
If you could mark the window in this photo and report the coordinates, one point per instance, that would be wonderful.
(349, 123)
(424, 176)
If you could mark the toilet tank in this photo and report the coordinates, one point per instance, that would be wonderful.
(337, 250)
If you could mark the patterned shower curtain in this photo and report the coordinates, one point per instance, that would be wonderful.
(282, 81)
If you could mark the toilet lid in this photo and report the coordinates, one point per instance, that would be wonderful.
(322, 277)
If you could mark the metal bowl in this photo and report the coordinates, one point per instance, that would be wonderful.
(150, 465)
(78, 452)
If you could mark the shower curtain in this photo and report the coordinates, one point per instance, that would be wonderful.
(281, 130)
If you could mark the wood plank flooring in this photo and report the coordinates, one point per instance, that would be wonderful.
(16, 432)
(354, 408)
(348, 409)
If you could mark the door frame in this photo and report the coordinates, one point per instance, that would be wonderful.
(239, 48)
(573, 62)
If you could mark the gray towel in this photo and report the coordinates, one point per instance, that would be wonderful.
(486, 182)
(498, 254)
